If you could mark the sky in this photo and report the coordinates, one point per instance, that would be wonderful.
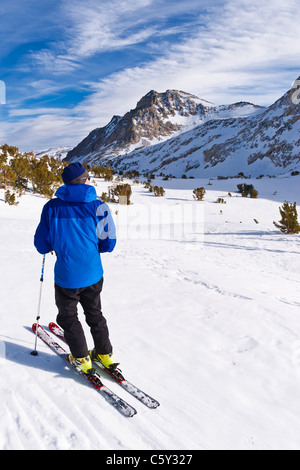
(68, 66)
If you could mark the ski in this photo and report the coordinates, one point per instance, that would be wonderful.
(94, 379)
(114, 374)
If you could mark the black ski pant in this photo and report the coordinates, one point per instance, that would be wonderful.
(67, 318)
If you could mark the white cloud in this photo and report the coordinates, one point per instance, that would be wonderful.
(54, 63)
(244, 45)
(36, 112)
(242, 51)
(40, 132)
(95, 27)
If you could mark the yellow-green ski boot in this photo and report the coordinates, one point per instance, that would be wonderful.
(105, 360)
(82, 363)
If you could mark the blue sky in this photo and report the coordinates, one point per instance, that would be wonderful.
(70, 65)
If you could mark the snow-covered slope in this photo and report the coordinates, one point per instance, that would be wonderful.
(208, 325)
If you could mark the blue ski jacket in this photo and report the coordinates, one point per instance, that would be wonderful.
(78, 227)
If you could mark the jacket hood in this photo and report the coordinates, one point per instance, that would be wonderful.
(76, 193)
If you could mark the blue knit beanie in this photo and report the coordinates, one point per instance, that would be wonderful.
(73, 171)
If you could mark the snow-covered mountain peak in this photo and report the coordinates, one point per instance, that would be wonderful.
(231, 139)
(157, 117)
(57, 152)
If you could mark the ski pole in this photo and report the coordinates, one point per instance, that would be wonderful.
(34, 352)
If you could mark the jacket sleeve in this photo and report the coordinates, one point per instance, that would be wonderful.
(106, 230)
(42, 234)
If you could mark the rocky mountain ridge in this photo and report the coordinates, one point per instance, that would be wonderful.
(174, 133)
(156, 118)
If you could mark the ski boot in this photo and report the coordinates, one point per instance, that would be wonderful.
(82, 363)
(105, 360)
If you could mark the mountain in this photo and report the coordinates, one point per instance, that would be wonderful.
(58, 152)
(267, 142)
(157, 117)
(175, 133)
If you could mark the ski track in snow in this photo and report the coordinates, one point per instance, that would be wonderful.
(212, 333)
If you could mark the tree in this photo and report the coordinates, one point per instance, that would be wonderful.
(246, 189)
(158, 191)
(7, 176)
(105, 197)
(18, 169)
(10, 198)
(3, 156)
(101, 172)
(132, 174)
(56, 167)
(42, 179)
(253, 193)
(20, 164)
(7, 150)
(122, 190)
(108, 175)
(289, 219)
(198, 194)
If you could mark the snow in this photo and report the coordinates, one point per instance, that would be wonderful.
(58, 152)
(209, 327)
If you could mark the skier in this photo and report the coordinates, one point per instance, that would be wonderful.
(78, 227)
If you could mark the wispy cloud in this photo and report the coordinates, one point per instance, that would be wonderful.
(93, 28)
(222, 51)
(243, 51)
